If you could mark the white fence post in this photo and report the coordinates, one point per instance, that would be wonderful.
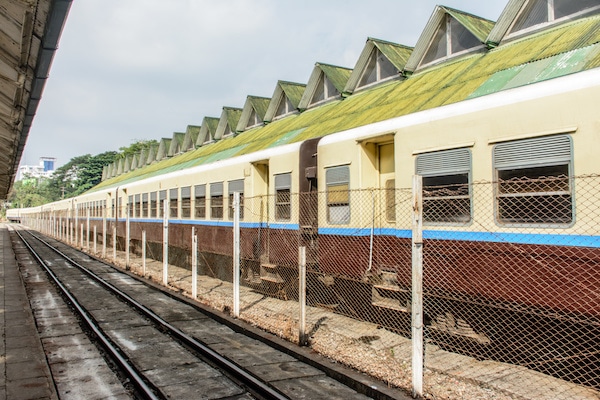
(143, 253)
(75, 227)
(81, 237)
(87, 228)
(127, 236)
(165, 242)
(194, 265)
(417, 287)
(236, 254)
(95, 240)
(302, 296)
(114, 235)
(104, 234)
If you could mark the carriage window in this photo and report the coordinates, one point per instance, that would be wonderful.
(144, 213)
(153, 206)
(137, 206)
(232, 187)
(533, 181)
(174, 203)
(131, 206)
(216, 200)
(446, 193)
(162, 196)
(200, 201)
(337, 180)
(283, 206)
(186, 202)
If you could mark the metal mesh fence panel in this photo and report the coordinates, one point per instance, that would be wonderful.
(269, 264)
(511, 276)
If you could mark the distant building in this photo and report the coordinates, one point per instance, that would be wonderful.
(45, 168)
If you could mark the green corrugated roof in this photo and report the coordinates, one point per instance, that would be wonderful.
(232, 115)
(337, 75)
(193, 130)
(293, 91)
(397, 54)
(178, 137)
(260, 105)
(211, 124)
(480, 27)
(152, 153)
(540, 70)
(450, 82)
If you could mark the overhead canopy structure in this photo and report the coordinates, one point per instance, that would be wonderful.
(29, 35)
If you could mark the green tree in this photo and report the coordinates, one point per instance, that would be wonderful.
(81, 173)
(136, 147)
(29, 192)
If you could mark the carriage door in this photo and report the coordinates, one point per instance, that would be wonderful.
(308, 216)
(387, 184)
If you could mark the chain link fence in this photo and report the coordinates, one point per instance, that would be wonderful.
(510, 277)
(517, 282)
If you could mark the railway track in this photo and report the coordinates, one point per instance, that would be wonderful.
(164, 348)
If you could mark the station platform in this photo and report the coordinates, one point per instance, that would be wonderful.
(24, 371)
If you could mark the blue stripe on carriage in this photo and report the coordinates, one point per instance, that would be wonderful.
(496, 237)
(214, 223)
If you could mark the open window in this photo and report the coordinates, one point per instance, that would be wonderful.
(534, 181)
(337, 181)
(216, 200)
(446, 186)
(186, 202)
(153, 206)
(131, 206)
(138, 205)
(144, 208)
(200, 201)
(162, 195)
(283, 200)
(232, 187)
(174, 203)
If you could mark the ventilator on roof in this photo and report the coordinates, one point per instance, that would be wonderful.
(379, 61)
(207, 131)
(191, 137)
(228, 122)
(326, 83)
(253, 113)
(449, 33)
(285, 100)
(523, 16)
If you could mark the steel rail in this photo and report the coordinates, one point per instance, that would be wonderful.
(254, 384)
(131, 372)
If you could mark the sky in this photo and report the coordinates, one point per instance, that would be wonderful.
(129, 70)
